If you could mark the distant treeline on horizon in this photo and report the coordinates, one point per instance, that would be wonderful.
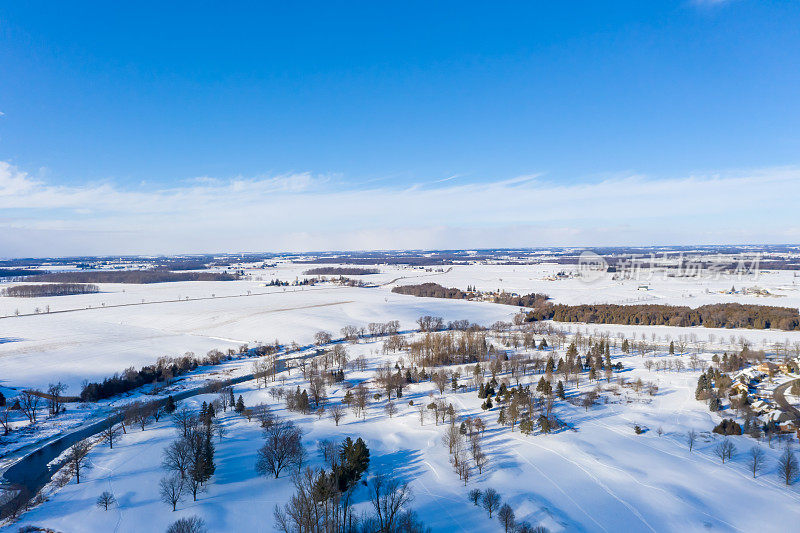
(132, 276)
(341, 271)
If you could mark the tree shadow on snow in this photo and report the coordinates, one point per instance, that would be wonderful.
(404, 465)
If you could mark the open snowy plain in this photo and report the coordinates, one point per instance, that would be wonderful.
(132, 325)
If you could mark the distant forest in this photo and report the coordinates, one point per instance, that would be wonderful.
(431, 290)
(730, 315)
(18, 272)
(133, 276)
(48, 289)
(341, 271)
(434, 290)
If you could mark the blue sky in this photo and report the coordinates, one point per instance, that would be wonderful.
(138, 129)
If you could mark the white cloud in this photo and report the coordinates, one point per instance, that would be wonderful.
(305, 212)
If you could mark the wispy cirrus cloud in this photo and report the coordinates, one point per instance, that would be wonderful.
(308, 212)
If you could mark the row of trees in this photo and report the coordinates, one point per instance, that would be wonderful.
(491, 501)
(728, 315)
(132, 276)
(787, 467)
(431, 290)
(341, 271)
(48, 289)
(162, 371)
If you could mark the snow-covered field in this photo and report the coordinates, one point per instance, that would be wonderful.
(93, 343)
(597, 476)
(600, 476)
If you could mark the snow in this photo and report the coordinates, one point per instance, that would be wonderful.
(597, 476)
(95, 343)
(600, 476)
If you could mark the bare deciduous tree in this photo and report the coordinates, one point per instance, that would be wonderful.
(725, 450)
(788, 467)
(490, 501)
(337, 413)
(188, 524)
(755, 459)
(480, 461)
(184, 420)
(106, 499)
(29, 404)
(440, 379)
(54, 392)
(475, 496)
(282, 447)
(177, 457)
(388, 497)
(76, 458)
(691, 438)
(5, 420)
(322, 337)
(171, 489)
(110, 432)
(506, 517)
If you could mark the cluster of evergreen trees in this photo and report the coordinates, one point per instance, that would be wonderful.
(352, 462)
(298, 401)
(711, 386)
(518, 406)
(323, 499)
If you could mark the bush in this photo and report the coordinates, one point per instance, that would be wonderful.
(189, 524)
(728, 427)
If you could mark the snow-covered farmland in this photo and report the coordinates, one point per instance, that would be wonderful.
(594, 475)
(94, 343)
(131, 325)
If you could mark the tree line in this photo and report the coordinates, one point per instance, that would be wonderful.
(164, 369)
(49, 289)
(431, 290)
(434, 290)
(729, 315)
(341, 271)
(133, 276)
